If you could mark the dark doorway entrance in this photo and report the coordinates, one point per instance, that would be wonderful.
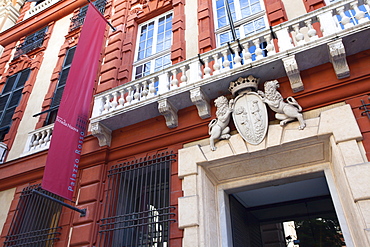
(294, 214)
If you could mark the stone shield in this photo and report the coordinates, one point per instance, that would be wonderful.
(250, 117)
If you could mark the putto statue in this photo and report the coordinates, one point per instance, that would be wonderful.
(285, 111)
(218, 128)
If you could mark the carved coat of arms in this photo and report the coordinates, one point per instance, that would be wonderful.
(249, 111)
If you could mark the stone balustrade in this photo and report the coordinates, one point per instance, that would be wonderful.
(39, 7)
(38, 140)
(293, 36)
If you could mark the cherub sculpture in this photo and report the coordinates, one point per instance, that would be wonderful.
(218, 128)
(285, 111)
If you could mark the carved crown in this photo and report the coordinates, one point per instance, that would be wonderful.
(249, 82)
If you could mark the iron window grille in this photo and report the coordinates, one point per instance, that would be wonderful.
(31, 42)
(10, 98)
(58, 93)
(35, 222)
(78, 20)
(137, 210)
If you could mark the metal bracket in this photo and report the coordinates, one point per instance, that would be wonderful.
(81, 211)
(366, 110)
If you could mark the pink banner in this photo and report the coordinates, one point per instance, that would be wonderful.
(60, 176)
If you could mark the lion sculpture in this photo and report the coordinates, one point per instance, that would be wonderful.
(285, 111)
(218, 128)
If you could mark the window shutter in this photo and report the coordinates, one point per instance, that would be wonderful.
(11, 97)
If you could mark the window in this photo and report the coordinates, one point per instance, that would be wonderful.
(137, 208)
(35, 221)
(248, 17)
(31, 42)
(10, 98)
(153, 46)
(60, 87)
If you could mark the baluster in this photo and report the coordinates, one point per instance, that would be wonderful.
(237, 58)
(121, 101)
(346, 21)
(136, 93)
(114, 102)
(174, 80)
(152, 89)
(311, 31)
(144, 92)
(258, 51)
(183, 77)
(36, 141)
(107, 103)
(47, 137)
(270, 48)
(247, 56)
(129, 96)
(299, 37)
(199, 70)
(101, 105)
(216, 65)
(30, 146)
(41, 141)
(359, 14)
(207, 69)
(226, 63)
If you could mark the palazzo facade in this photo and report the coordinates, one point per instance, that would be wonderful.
(176, 154)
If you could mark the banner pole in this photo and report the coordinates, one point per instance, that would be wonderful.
(113, 28)
(81, 211)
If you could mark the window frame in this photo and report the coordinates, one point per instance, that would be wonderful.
(10, 93)
(36, 219)
(240, 22)
(154, 55)
(144, 213)
(53, 110)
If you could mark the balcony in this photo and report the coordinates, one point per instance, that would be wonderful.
(30, 44)
(38, 140)
(344, 27)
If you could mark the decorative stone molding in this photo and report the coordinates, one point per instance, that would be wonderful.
(103, 134)
(201, 101)
(337, 56)
(169, 112)
(292, 71)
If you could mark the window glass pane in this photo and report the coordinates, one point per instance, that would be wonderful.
(69, 56)
(142, 70)
(3, 100)
(9, 84)
(162, 62)
(254, 26)
(227, 37)
(15, 98)
(22, 78)
(7, 117)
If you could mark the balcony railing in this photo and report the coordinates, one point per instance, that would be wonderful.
(39, 7)
(38, 140)
(78, 20)
(304, 39)
(29, 45)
